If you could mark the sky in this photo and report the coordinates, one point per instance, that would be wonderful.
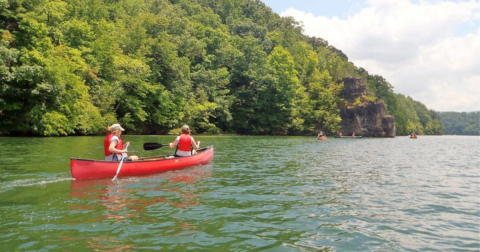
(426, 49)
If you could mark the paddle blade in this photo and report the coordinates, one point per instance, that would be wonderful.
(152, 146)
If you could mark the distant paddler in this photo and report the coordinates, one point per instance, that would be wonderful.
(321, 136)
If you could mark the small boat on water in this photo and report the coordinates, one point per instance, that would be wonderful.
(321, 136)
(94, 169)
(336, 136)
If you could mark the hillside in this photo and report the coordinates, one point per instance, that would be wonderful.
(73, 67)
(460, 123)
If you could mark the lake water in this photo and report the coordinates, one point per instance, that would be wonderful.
(258, 194)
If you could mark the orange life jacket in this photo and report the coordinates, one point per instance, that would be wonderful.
(185, 143)
(106, 144)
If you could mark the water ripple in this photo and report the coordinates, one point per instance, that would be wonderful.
(273, 194)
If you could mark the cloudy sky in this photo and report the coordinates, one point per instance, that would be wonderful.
(427, 49)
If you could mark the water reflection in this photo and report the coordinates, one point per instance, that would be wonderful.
(259, 194)
(131, 196)
(115, 206)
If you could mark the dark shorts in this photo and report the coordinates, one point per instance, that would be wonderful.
(118, 158)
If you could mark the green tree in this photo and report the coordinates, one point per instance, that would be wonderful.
(75, 66)
(317, 98)
(460, 123)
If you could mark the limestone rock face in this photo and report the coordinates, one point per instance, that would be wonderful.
(353, 88)
(366, 118)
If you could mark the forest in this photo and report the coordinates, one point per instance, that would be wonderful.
(460, 123)
(73, 67)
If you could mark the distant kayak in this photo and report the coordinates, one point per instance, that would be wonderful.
(323, 138)
(347, 136)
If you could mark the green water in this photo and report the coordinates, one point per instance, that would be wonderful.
(258, 194)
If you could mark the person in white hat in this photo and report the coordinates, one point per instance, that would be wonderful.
(186, 143)
(113, 145)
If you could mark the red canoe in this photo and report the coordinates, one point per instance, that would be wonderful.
(93, 169)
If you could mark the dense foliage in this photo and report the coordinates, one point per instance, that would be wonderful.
(456, 123)
(221, 66)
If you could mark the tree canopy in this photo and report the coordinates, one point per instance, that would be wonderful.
(461, 123)
(222, 66)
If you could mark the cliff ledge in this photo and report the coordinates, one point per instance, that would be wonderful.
(366, 117)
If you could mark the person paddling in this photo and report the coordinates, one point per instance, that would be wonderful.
(113, 145)
(320, 135)
(186, 143)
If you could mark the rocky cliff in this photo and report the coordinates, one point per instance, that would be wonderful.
(363, 115)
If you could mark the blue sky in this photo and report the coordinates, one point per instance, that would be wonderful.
(427, 49)
(327, 8)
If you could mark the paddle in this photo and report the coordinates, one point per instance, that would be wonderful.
(120, 165)
(153, 146)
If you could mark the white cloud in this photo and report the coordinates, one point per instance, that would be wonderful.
(416, 47)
